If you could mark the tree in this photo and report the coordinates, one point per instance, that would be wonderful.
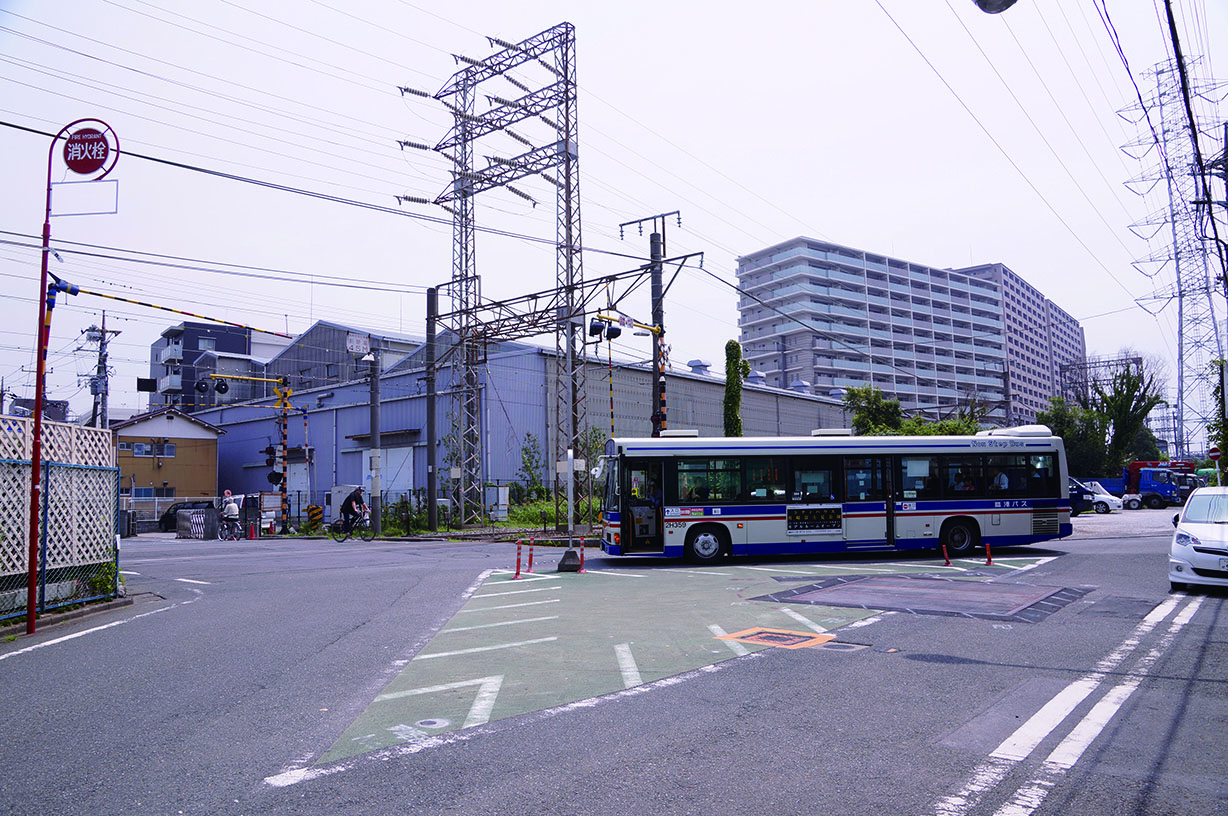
(531, 467)
(1217, 432)
(736, 370)
(1082, 431)
(872, 413)
(1125, 403)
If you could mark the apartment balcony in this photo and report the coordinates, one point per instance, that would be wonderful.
(171, 354)
(171, 383)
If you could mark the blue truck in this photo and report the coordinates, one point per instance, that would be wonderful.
(1154, 484)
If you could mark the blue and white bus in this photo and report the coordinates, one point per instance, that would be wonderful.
(681, 495)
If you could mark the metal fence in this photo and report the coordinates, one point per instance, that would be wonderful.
(77, 548)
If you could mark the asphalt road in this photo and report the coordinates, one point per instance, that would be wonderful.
(309, 677)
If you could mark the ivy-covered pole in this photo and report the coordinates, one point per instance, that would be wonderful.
(736, 370)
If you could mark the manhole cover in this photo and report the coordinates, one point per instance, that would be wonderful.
(781, 638)
(930, 595)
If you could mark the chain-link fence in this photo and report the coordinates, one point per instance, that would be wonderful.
(77, 555)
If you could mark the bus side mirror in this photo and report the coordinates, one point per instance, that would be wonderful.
(1176, 518)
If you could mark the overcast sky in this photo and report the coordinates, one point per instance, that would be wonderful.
(928, 131)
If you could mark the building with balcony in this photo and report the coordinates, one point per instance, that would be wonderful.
(189, 353)
(821, 317)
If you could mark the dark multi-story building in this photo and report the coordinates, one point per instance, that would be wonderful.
(187, 354)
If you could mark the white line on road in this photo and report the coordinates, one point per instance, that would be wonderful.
(619, 573)
(483, 704)
(128, 572)
(516, 592)
(511, 606)
(626, 665)
(485, 648)
(867, 621)
(500, 623)
(1020, 744)
(83, 633)
(701, 572)
(769, 569)
(802, 619)
(190, 581)
(1025, 739)
(734, 646)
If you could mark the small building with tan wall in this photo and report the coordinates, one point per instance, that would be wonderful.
(165, 455)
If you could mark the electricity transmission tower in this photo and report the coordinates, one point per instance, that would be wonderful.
(554, 104)
(1173, 232)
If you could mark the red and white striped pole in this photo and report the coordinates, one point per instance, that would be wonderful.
(517, 575)
(988, 556)
(530, 568)
(946, 558)
(582, 555)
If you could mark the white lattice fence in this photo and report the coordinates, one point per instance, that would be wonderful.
(79, 507)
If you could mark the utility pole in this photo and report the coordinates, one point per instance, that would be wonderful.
(99, 383)
(376, 513)
(656, 257)
(432, 433)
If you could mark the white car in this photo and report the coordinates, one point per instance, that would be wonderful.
(1104, 501)
(1199, 553)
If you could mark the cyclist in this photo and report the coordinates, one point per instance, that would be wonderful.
(230, 511)
(352, 508)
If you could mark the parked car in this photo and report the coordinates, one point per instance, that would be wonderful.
(1102, 500)
(1081, 497)
(1199, 553)
(166, 522)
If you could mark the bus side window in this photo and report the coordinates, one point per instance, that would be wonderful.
(814, 480)
(863, 479)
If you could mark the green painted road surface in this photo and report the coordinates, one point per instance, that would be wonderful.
(550, 639)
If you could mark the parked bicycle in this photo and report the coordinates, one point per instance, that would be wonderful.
(361, 528)
(230, 530)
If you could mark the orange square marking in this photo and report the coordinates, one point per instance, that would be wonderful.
(780, 638)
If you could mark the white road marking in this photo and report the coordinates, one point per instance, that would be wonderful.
(1025, 739)
(516, 592)
(615, 572)
(479, 712)
(867, 621)
(702, 572)
(128, 572)
(190, 581)
(802, 619)
(626, 665)
(485, 648)
(1020, 744)
(510, 606)
(84, 632)
(734, 646)
(770, 569)
(1039, 563)
(500, 623)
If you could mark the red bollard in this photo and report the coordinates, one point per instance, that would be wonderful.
(988, 556)
(251, 531)
(517, 575)
(582, 556)
(946, 558)
(530, 567)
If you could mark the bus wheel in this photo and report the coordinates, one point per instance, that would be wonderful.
(704, 545)
(960, 536)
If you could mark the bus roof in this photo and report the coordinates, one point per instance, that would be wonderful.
(1027, 437)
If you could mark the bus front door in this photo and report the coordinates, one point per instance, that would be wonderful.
(642, 523)
(868, 513)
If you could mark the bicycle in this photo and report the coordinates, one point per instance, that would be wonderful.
(230, 530)
(361, 528)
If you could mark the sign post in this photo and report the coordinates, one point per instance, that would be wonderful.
(87, 151)
(1213, 455)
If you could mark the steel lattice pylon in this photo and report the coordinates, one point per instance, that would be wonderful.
(559, 99)
(1173, 231)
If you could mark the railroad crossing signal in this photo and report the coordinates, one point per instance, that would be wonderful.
(283, 397)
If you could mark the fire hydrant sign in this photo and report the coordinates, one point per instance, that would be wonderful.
(86, 151)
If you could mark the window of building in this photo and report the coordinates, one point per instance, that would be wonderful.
(207, 343)
(124, 446)
(165, 449)
(142, 449)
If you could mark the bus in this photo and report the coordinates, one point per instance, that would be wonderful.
(704, 499)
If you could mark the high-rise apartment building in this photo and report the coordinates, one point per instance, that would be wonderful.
(821, 317)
